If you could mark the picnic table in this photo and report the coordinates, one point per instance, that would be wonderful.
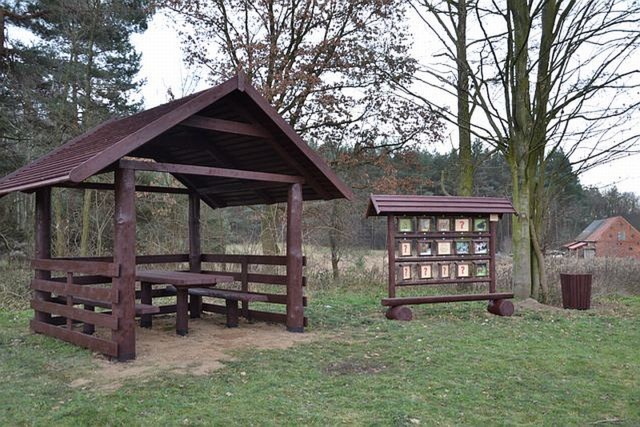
(182, 281)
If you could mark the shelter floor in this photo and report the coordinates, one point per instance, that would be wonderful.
(207, 346)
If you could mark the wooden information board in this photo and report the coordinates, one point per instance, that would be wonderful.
(441, 241)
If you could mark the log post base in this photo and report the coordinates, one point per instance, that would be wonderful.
(500, 307)
(399, 312)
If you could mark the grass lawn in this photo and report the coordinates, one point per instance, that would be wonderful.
(453, 365)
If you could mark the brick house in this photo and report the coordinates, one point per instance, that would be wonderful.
(610, 237)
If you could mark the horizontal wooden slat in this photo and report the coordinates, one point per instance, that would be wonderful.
(264, 316)
(444, 298)
(140, 259)
(84, 280)
(226, 126)
(60, 289)
(91, 342)
(228, 294)
(175, 168)
(436, 282)
(250, 259)
(82, 267)
(270, 279)
(270, 298)
(70, 312)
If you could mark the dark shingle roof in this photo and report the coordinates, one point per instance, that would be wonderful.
(400, 204)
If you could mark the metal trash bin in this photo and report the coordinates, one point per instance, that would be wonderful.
(576, 291)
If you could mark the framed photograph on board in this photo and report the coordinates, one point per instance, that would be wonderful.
(404, 248)
(481, 247)
(462, 224)
(405, 225)
(424, 249)
(405, 272)
(426, 271)
(445, 271)
(463, 270)
(463, 247)
(444, 247)
(424, 225)
(444, 224)
(482, 269)
(480, 225)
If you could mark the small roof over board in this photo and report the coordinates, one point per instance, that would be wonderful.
(229, 126)
(395, 204)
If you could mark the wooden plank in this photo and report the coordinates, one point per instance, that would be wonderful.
(181, 278)
(265, 297)
(124, 250)
(140, 259)
(82, 267)
(175, 168)
(101, 186)
(85, 280)
(493, 229)
(391, 255)
(225, 126)
(445, 298)
(42, 248)
(452, 258)
(70, 312)
(264, 316)
(61, 289)
(251, 259)
(295, 308)
(268, 279)
(228, 294)
(88, 341)
(436, 282)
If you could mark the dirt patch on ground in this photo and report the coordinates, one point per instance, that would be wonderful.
(206, 348)
(354, 367)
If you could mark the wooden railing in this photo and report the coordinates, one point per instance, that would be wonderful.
(246, 279)
(63, 293)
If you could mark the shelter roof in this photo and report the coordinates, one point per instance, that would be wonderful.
(228, 126)
(391, 204)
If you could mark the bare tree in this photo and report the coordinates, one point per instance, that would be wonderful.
(325, 65)
(548, 75)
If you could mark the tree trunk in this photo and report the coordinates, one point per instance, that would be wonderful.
(521, 233)
(465, 158)
(269, 230)
(60, 247)
(86, 223)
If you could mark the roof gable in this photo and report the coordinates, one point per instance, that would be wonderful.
(249, 135)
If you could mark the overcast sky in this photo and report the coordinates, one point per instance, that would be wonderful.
(164, 70)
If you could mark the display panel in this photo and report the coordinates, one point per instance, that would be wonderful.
(405, 225)
(425, 249)
(482, 269)
(445, 271)
(463, 270)
(444, 247)
(444, 224)
(425, 225)
(426, 271)
(463, 247)
(462, 224)
(481, 225)
(481, 247)
(404, 248)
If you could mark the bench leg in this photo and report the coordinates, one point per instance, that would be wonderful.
(88, 328)
(182, 312)
(145, 298)
(195, 306)
(232, 313)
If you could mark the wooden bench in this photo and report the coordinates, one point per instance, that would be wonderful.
(231, 298)
(499, 303)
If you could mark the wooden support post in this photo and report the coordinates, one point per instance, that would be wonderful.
(391, 250)
(295, 309)
(244, 283)
(146, 297)
(195, 251)
(43, 245)
(89, 328)
(124, 255)
(493, 230)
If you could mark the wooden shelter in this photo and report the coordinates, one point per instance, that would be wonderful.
(228, 147)
(441, 240)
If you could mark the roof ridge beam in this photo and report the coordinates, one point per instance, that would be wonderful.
(225, 126)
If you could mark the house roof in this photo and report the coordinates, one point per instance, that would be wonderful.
(382, 205)
(595, 231)
(249, 135)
